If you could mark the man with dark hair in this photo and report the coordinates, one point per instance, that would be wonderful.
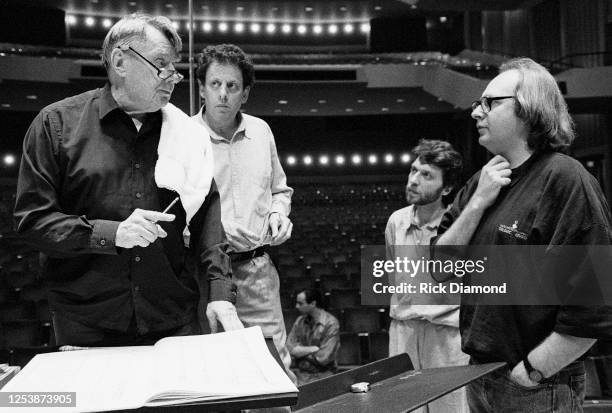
(544, 198)
(255, 198)
(429, 332)
(314, 339)
(96, 172)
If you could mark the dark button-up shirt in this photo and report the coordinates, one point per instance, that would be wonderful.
(85, 168)
(323, 332)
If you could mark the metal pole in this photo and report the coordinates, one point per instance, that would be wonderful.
(192, 110)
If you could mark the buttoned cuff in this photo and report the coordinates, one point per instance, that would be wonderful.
(102, 239)
(222, 290)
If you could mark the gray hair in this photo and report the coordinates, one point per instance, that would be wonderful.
(133, 28)
(541, 106)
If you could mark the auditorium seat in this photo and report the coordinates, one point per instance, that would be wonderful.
(333, 282)
(320, 270)
(379, 345)
(362, 319)
(16, 312)
(21, 334)
(290, 315)
(344, 298)
(292, 271)
(350, 349)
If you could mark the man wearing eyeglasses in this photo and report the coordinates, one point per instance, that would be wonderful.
(90, 198)
(529, 193)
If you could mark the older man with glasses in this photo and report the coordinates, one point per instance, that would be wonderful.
(97, 170)
(530, 193)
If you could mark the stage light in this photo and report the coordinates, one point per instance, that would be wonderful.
(207, 27)
(348, 28)
(307, 160)
(175, 25)
(372, 159)
(90, 21)
(388, 158)
(324, 159)
(223, 27)
(9, 159)
(286, 28)
(332, 29)
(405, 158)
(301, 29)
(365, 27)
(339, 160)
(317, 29)
(291, 160)
(270, 28)
(107, 23)
(239, 27)
(71, 20)
(356, 159)
(255, 27)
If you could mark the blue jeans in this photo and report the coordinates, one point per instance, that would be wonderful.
(496, 393)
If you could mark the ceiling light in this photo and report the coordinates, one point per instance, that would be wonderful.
(317, 29)
(207, 27)
(286, 28)
(405, 158)
(314, 110)
(360, 101)
(301, 29)
(339, 160)
(175, 25)
(132, 4)
(388, 158)
(282, 102)
(239, 8)
(322, 101)
(307, 160)
(372, 159)
(356, 159)
(308, 9)
(6, 105)
(169, 5)
(255, 27)
(443, 19)
(9, 159)
(343, 8)
(239, 27)
(422, 108)
(277, 111)
(364, 27)
(71, 20)
(378, 8)
(31, 97)
(291, 160)
(399, 100)
(384, 109)
(332, 29)
(222, 27)
(90, 21)
(348, 28)
(348, 109)
(324, 159)
(106, 23)
(270, 28)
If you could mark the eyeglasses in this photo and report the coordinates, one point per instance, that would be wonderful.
(485, 102)
(169, 75)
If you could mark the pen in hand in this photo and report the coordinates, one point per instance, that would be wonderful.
(171, 205)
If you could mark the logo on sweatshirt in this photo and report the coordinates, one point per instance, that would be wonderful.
(513, 230)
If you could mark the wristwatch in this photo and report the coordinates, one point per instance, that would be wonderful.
(534, 375)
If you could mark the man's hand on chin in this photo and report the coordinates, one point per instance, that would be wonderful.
(225, 313)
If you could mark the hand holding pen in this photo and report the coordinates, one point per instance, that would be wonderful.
(141, 228)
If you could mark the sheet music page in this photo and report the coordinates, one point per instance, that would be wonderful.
(103, 379)
(236, 363)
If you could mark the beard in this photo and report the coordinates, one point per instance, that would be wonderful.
(423, 198)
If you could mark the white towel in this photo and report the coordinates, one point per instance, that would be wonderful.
(185, 159)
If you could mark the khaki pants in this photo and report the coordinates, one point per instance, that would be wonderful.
(431, 345)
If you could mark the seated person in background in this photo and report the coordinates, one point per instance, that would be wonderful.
(314, 339)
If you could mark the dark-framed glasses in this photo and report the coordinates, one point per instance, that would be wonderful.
(169, 75)
(485, 102)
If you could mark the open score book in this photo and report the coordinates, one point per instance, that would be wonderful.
(175, 370)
